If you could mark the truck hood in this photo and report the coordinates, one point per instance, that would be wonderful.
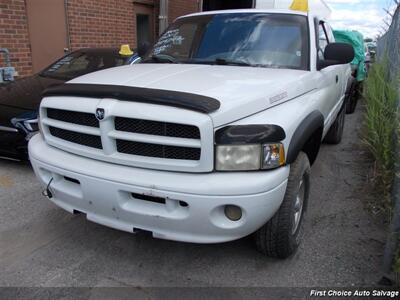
(242, 91)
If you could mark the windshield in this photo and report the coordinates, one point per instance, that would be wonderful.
(248, 39)
(80, 63)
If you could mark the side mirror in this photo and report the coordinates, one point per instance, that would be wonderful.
(143, 49)
(337, 54)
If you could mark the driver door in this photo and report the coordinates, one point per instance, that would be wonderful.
(329, 79)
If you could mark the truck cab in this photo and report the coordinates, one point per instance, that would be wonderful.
(210, 139)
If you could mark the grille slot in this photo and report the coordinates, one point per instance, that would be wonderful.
(148, 198)
(88, 140)
(79, 118)
(160, 151)
(157, 128)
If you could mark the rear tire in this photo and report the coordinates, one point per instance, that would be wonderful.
(281, 236)
(335, 133)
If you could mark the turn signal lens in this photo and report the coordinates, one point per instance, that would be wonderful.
(273, 156)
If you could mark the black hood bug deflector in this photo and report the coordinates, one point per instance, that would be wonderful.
(189, 101)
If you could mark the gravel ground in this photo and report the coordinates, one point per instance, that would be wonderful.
(42, 245)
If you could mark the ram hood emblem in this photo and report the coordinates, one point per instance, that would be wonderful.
(100, 114)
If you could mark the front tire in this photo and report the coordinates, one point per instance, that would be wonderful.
(282, 235)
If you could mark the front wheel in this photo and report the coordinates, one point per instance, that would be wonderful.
(282, 235)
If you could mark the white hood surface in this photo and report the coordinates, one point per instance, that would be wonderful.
(242, 91)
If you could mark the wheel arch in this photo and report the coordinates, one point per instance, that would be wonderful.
(307, 138)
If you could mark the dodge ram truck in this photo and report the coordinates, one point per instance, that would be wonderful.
(210, 139)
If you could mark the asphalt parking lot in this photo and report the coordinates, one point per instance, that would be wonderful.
(42, 245)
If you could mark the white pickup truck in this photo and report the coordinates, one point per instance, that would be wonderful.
(210, 139)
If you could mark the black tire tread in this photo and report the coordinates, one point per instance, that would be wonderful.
(272, 239)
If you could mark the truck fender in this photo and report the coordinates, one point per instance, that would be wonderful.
(311, 125)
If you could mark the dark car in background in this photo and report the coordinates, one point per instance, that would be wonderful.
(20, 99)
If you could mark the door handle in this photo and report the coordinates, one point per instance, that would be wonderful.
(337, 78)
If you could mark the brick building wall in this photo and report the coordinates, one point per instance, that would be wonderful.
(177, 8)
(14, 35)
(91, 23)
(100, 23)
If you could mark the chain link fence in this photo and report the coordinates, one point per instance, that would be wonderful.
(388, 46)
(388, 49)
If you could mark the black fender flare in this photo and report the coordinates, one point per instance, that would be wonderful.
(307, 128)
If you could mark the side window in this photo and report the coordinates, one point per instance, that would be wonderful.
(323, 40)
(329, 31)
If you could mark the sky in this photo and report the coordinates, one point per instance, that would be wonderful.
(365, 16)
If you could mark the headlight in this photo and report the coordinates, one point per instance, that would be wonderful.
(238, 158)
(249, 157)
(27, 124)
(32, 125)
(249, 148)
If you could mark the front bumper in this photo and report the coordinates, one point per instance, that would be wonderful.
(192, 208)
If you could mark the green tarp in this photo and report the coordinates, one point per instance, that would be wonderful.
(356, 39)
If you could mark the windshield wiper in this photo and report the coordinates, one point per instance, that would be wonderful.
(221, 62)
(226, 62)
(163, 58)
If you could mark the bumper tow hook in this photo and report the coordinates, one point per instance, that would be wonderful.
(47, 191)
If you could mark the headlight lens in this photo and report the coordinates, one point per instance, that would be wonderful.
(238, 157)
(27, 122)
(249, 157)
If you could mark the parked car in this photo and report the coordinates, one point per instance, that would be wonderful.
(20, 99)
(367, 58)
(372, 50)
(210, 139)
(358, 66)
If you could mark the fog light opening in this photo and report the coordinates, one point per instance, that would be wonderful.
(233, 212)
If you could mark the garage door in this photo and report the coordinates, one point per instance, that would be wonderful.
(47, 31)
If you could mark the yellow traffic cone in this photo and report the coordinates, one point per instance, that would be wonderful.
(301, 5)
